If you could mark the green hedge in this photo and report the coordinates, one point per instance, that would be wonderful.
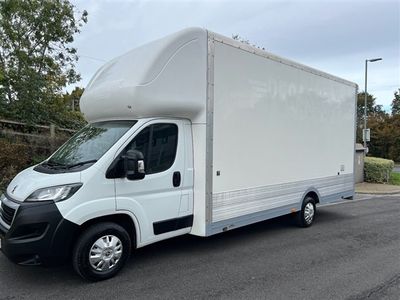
(13, 158)
(377, 169)
(19, 151)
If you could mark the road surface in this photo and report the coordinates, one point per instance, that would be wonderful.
(351, 252)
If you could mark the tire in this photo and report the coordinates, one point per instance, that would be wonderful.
(306, 216)
(109, 246)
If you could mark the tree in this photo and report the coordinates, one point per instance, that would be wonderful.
(385, 129)
(64, 110)
(373, 110)
(394, 149)
(396, 103)
(372, 107)
(73, 99)
(36, 59)
(381, 135)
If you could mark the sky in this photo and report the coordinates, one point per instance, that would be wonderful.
(335, 36)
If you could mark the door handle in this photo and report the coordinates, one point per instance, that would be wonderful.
(176, 179)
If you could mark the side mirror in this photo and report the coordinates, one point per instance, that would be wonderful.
(134, 165)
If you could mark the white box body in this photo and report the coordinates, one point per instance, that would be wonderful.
(279, 130)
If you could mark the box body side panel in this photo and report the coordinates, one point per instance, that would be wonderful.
(278, 131)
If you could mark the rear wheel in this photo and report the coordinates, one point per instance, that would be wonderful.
(101, 251)
(306, 216)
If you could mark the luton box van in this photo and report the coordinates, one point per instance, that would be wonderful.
(194, 133)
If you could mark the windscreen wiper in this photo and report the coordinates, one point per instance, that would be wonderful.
(53, 164)
(81, 163)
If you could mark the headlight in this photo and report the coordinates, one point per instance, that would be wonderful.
(54, 193)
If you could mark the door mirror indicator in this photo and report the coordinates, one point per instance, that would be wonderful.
(134, 165)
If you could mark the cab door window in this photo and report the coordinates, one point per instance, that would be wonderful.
(158, 143)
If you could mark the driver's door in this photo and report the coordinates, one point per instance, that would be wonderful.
(155, 200)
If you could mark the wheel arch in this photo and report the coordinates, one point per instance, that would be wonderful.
(313, 193)
(127, 221)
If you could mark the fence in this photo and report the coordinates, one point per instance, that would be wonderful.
(47, 138)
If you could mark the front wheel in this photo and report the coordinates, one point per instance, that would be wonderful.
(101, 251)
(306, 215)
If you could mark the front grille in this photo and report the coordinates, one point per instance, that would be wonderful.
(7, 213)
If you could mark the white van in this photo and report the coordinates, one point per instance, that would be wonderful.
(193, 133)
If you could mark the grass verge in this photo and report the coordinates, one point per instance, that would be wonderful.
(394, 178)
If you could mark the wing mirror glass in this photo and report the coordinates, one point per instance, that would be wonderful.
(134, 165)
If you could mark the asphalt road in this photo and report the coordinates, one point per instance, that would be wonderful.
(351, 252)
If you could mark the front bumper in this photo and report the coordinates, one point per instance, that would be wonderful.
(38, 234)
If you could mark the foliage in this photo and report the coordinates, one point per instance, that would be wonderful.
(373, 111)
(377, 169)
(372, 107)
(381, 133)
(385, 129)
(385, 136)
(70, 116)
(396, 103)
(394, 178)
(73, 99)
(36, 59)
(13, 158)
(394, 148)
(19, 152)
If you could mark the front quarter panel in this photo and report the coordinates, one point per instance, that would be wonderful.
(95, 198)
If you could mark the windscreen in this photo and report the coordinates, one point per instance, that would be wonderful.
(90, 143)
